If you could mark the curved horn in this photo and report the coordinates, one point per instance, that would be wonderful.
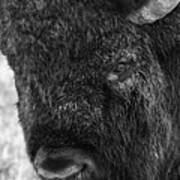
(152, 11)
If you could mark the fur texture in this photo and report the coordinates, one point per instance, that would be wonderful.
(88, 78)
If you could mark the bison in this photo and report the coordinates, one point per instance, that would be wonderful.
(98, 84)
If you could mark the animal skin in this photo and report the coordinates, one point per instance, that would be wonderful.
(99, 96)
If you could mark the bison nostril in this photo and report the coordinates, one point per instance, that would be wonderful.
(64, 163)
(54, 165)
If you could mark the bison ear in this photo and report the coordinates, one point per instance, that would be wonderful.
(152, 11)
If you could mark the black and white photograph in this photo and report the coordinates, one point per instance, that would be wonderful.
(89, 89)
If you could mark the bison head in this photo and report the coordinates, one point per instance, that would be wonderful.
(94, 101)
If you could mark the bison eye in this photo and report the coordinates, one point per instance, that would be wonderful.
(121, 82)
(123, 75)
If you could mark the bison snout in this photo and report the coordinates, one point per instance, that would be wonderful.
(66, 163)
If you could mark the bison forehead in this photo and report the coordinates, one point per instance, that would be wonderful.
(71, 27)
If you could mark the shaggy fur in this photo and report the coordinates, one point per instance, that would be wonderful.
(87, 78)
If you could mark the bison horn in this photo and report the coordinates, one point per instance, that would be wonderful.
(152, 11)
